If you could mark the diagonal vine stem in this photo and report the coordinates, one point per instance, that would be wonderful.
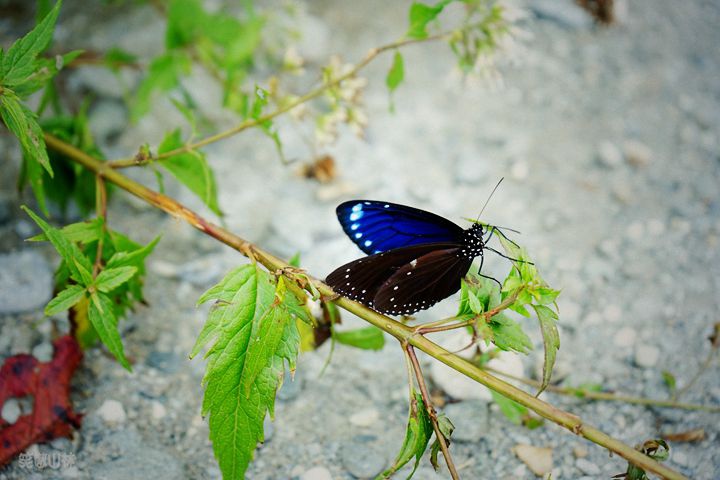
(398, 330)
(142, 159)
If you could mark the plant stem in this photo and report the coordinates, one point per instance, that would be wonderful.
(101, 209)
(244, 125)
(433, 327)
(585, 394)
(431, 410)
(398, 330)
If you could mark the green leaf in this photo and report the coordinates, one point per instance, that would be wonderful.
(510, 408)
(116, 57)
(185, 19)
(23, 124)
(65, 299)
(421, 15)
(669, 380)
(417, 435)
(254, 336)
(132, 257)
(191, 169)
(19, 61)
(396, 74)
(551, 341)
(103, 319)
(366, 338)
(78, 264)
(111, 278)
(509, 335)
(446, 428)
(80, 232)
(163, 75)
(295, 260)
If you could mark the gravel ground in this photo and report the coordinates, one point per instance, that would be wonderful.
(608, 139)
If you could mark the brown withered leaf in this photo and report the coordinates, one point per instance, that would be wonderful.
(49, 384)
(694, 435)
(322, 169)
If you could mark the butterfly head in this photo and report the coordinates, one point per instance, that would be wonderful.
(473, 241)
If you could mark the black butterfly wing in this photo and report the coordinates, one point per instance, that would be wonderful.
(422, 283)
(361, 279)
(377, 227)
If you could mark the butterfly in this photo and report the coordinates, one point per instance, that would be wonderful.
(415, 258)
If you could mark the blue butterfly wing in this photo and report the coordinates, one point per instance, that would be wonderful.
(377, 227)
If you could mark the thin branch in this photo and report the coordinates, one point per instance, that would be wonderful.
(431, 410)
(244, 125)
(400, 331)
(433, 327)
(101, 208)
(585, 394)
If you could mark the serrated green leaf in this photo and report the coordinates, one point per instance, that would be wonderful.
(191, 169)
(82, 232)
(397, 72)
(163, 75)
(111, 278)
(244, 368)
(78, 264)
(65, 299)
(511, 283)
(103, 319)
(417, 435)
(551, 341)
(132, 257)
(446, 428)
(19, 61)
(509, 335)
(23, 124)
(421, 15)
(546, 296)
(366, 338)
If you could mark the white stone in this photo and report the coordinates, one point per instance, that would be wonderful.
(587, 467)
(609, 154)
(520, 170)
(112, 412)
(11, 410)
(538, 459)
(612, 313)
(655, 227)
(637, 153)
(625, 337)
(460, 387)
(43, 352)
(158, 410)
(647, 356)
(636, 231)
(316, 473)
(365, 418)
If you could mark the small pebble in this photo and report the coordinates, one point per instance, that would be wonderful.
(11, 410)
(637, 153)
(655, 227)
(580, 452)
(112, 412)
(612, 313)
(362, 459)
(520, 170)
(636, 231)
(625, 337)
(587, 467)
(609, 155)
(316, 473)
(365, 418)
(646, 356)
(43, 352)
(539, 460)
(158, 410)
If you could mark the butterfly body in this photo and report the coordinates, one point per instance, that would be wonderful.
(415, 258)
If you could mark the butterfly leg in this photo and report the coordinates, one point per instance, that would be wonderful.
(500, 232)
(509, 258)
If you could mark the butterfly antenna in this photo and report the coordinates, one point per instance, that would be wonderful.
(488, 199)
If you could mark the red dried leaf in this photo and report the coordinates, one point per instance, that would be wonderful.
(49, 384)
